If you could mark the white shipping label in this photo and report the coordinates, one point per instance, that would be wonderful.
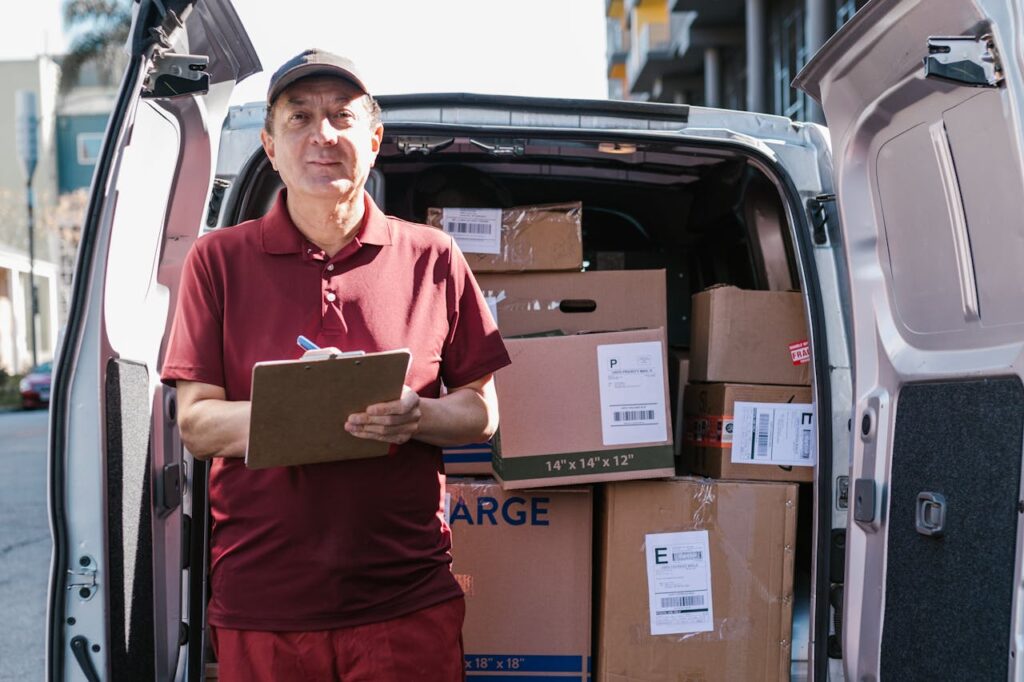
(632, 386)
(780, 434)
(476, 230)
(679, 582)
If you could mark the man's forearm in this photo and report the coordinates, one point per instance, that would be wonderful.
(463, 416)
(216, 428)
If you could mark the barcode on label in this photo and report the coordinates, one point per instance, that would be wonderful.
(682, 602)
(805, 445)
(687, 556)
(452, 227)
(633, 415)
(763, 430)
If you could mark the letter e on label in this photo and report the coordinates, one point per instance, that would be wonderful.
(661, 555)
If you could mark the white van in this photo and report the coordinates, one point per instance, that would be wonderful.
(900, 223)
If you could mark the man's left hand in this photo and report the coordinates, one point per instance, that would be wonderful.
(393, 422)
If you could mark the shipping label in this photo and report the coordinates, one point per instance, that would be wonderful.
(475, 230)
(780, 434)
(632, 387)
(679, 582)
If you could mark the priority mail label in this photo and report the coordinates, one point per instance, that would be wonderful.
(779, 434)
(632, 387)
(475, 230)
(679, 582)
(800, 352)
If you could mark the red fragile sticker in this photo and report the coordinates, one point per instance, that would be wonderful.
(800, 352)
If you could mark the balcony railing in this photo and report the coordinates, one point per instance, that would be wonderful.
(614, 44)
(648, 38)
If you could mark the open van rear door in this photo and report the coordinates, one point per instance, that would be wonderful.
(923, 99)
(126, 591)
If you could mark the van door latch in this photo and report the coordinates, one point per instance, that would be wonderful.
(174, 75)
(965, 60)
(931, 514)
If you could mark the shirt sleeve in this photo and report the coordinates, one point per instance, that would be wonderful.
(195, 351)
(473, 348)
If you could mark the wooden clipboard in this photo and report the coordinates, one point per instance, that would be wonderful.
(299, 407)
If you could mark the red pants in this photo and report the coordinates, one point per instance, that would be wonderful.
(425, 646)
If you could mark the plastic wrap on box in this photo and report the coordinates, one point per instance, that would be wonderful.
(750, 531)
(541, 237)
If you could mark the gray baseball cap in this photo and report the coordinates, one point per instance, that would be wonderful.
(314, 62)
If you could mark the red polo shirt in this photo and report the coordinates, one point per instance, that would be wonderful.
(338, 544)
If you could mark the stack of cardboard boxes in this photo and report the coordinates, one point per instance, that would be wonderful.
(692, 577)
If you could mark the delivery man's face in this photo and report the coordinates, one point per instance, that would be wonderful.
(323, 140)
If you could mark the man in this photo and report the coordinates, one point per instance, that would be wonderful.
(338, 570)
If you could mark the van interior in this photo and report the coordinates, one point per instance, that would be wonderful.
(705, 214)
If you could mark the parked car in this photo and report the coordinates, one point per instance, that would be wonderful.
(900, 224)
(35, 386)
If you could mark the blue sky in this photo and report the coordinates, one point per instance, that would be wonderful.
(525, 47)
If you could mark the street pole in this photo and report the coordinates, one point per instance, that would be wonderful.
(32, 271)
(26, 129)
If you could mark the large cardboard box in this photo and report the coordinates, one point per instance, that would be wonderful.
(750, 337)
(524, 562)
(539, 302)
(544, 237)
(713, 562)
(531, 303)
(749, 443)
(584, 408)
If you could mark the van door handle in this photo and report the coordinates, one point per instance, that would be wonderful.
(931, 514)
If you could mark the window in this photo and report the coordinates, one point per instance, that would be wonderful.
(789, 54)
(845, 9)
(89, 145)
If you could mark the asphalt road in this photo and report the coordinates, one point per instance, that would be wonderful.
(24, 544)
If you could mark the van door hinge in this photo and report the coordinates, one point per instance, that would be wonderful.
(83, 578)
(820, 215)
(423, 145)
(515, 148)
(965, 60)
(173, 75)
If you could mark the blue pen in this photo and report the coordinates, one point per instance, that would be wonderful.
(306, 344)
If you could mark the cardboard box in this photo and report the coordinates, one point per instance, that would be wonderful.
(524, 561)
(473, 459)
(571, 302)
(584, 408)
(750, 337)
(743, 600)
(544, 237)
(678, 376)
(710, 413)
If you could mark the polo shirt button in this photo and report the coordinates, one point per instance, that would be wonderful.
(331, 297)
(330, 267)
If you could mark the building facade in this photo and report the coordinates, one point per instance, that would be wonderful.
(38, 75)
(70, 133)
(733, 54)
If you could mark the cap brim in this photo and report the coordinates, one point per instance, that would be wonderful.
(307, 70)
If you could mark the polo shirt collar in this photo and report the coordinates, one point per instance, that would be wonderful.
(280, 236)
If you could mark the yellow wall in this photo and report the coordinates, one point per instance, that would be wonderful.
(616, 10)
(651, 12)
